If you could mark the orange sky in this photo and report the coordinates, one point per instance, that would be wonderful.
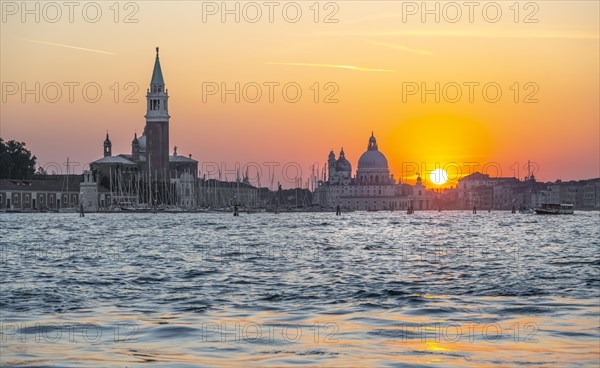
(371, 55)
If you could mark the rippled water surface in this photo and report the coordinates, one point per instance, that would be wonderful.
(448, 289)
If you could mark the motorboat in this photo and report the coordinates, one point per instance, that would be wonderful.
(554, 209)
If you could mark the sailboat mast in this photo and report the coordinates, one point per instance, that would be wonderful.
(110, 184)
(67, 179)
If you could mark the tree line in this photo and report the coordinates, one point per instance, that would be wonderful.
(16, 161)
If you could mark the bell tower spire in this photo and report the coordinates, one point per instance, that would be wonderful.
(157, 77)
(157, 97)
(107, 146)
(157, 123)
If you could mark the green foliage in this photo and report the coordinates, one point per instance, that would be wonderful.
(16, 161)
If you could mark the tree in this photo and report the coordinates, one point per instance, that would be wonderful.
(16, 161)
(41, 171)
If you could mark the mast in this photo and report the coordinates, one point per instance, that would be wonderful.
(110, 185)
(67, 180)
(149, 179)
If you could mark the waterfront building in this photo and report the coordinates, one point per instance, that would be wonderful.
(484, 192)
(373, 188)
(582, 194)
(50, 193)
(502, 193)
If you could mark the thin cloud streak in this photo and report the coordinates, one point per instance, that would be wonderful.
(447, 33)
(400, 47)
(66, 46)
(348, 67)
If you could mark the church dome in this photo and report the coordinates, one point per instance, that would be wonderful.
(342, 164)
(372, 158)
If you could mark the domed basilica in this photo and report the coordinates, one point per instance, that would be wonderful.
(373, 188)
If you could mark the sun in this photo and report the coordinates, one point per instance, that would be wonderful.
(438, 176)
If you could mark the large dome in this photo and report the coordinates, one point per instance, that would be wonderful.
(372, 160)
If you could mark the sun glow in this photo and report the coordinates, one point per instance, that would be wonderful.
(438, 176)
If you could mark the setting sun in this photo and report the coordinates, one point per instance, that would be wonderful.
(438, 176)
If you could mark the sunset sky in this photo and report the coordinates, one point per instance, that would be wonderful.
(372, 55)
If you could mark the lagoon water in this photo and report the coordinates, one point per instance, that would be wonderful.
(448, 289)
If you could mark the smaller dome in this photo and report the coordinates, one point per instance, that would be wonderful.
(135, 140)
(107, 140)
(343, 165)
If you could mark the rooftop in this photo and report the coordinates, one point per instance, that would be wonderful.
(112, 160)
(51, 185)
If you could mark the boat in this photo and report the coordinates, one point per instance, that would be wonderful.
(526, 210)
(554, 209)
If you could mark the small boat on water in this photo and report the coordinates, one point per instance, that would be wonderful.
(526, 210)
(554, 209)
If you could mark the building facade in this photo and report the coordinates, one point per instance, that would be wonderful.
(53, 193)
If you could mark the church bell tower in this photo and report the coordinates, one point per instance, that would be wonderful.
(157, 125)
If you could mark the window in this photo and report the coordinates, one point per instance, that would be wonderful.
(16, 198)
(26, 198)
(52, 199)
(65, 199)
(42, 199)
(0, 198)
